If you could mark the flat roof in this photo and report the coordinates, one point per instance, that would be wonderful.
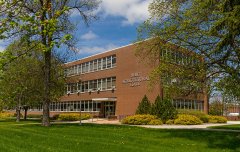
(101, 53)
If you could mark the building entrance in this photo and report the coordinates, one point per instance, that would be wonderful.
(109, 108)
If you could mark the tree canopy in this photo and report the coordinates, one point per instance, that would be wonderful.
(21, 79)
(209, 28)
(46, 21)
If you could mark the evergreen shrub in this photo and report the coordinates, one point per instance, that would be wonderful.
(163, 109)
(144, 106)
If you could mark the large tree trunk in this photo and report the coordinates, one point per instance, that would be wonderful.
(25, 112)
(18, 113)
(46, 102)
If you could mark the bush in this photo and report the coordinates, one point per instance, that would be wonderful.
(5, 115)
(73, 116)
(170, 122)
(155, 122)
(34, 116)
(144, 106)
(184, 119)
(142, 120)
(202, 116)
(163, 109)
(217, 119)
(55, 117)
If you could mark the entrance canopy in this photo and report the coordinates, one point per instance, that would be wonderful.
(104, 99)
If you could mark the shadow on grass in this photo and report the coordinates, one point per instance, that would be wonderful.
(213, 139)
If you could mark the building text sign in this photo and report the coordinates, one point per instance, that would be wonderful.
(135, 79)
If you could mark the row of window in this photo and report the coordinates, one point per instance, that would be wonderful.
(74, 106)
(92, 85)
(95, 106)
(91, 66)
(188, 104)
(178, 57)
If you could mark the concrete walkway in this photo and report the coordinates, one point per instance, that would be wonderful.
(203, 126)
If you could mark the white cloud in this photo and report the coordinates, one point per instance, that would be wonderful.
(133, 11)
(89, 36)
(95, 49)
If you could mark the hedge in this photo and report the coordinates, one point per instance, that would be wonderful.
(202, 116)
(217, 119)
(184, 119)
(142, 120)
(73, 116)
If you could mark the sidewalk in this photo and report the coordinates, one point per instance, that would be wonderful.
(203, 126)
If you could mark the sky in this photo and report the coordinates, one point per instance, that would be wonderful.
(116, 27)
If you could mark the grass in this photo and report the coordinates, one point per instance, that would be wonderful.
(232, 127)
(112, 138)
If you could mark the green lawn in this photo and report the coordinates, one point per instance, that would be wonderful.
(232, 127)
(112, 138)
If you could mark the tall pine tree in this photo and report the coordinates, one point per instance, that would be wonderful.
(144, 106)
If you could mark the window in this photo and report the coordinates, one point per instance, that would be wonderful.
(109, 62)
(104, 63)
(99, 84)
(86, 86)
(83, 68)
(91, 66)
(113, 60)
(114, 82)
(104, 84)
(94, 85)
(95, 65)
(99, 64)
(109, 83)
(87, 67)
(82, 86)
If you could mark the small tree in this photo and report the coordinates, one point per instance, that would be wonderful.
(163, 109)
(216, 108)
(144, 106)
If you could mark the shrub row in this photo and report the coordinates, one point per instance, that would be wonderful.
(202, 116)
(4, 115)
(217, 119)
(184, 119)
(142, 120)
(73, 116)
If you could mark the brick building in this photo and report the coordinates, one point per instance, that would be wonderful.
(113, 83)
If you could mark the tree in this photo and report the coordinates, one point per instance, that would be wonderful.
(46, 21)
(144, 106)
(210, 29)
(21, 80)
(216, 108)
(163, 109)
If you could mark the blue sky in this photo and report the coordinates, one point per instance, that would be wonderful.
(116, 27)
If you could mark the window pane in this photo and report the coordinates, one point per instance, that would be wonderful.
(91, 66)
(109, 62)
(99, 64)
(104, 63)
(87, 67)
(104, 85)
(95, 65)
(109, 83)
(114, 82)
(113, 60)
